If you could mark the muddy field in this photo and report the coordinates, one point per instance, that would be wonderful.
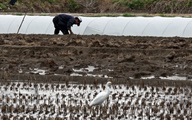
(156, 66)
(101, 57)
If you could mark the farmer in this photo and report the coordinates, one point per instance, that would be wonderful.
(64, 22)
(12, 2)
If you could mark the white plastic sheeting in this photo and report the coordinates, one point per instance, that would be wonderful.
(118, 26)
(31, 24)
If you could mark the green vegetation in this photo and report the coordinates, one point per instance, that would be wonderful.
(128, 15)
(43, 15)
(73, 5)
(164, 15)
(189, 3)
(19, 14)
(133, 4)
(3, 6)
(101, 6)
(136, 4)
(147, 16)
(132, 15)
(51, 1)
(5, 0)
(108, 15)
(30, 14)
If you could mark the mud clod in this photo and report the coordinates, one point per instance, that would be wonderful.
(114, 57)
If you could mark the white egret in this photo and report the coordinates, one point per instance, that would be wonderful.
(102, 96)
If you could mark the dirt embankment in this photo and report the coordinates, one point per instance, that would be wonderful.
(113, 57)
(99, 6)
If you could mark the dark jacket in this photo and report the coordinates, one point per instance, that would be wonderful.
(66, 20)
(12, 2)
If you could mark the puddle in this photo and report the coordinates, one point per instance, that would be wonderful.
(34, 71)
(39, 71)
(148, 77)
(100, 75)
(87, 72)
(174, 77)
(61, 67)
(88, 69)
(76, 72)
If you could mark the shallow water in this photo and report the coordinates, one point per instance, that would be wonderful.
(89, 71)
(174, 77)
(43, 100)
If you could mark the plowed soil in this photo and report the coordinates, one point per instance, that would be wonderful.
(120, 58)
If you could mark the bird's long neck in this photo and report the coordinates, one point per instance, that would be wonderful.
(107, 89)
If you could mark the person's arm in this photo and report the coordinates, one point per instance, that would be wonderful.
(69, 24)
(71, 32)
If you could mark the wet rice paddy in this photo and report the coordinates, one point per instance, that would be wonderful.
(26, 100)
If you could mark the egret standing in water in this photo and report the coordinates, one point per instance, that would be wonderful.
(98, 100)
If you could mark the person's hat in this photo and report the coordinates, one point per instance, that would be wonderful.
(79, 19)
